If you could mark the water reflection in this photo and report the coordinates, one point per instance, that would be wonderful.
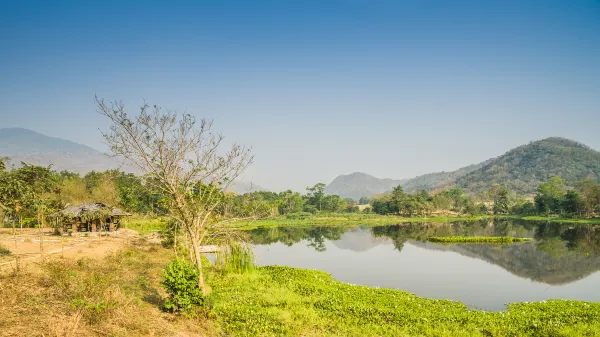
(482, 275)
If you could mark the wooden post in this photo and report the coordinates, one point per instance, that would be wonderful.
(95, 225)
(74, 225)
(111, 224)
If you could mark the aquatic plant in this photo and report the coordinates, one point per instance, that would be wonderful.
(235, 258)
(284, 301)
(477, 239)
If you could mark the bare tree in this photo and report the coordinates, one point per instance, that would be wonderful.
(181, 157)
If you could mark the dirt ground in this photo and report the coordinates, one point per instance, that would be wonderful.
(25, 246)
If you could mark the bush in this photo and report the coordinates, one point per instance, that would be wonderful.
(353, 209)
(169, 232)
(299, 215)
(29, 223)
(4, 251)
(181, 284)
(310, 209)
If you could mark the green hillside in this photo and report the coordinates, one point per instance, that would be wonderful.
(432, 181)
(522, 169)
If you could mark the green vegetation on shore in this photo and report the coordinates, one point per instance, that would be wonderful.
(377, 220)
(350, 219)
(121, 295)
(283, 301)
(476, 239)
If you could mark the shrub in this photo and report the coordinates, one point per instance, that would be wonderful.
(181, 284)
(4, 251)
(299, 215)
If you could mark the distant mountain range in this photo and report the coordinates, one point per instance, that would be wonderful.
(23, 145)
(521, 169)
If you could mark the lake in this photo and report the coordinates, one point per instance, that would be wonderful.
(563, 262)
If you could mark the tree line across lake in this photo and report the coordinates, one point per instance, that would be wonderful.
(552, 197)
(28, 194)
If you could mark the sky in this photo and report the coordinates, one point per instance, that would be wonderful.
(317, 88)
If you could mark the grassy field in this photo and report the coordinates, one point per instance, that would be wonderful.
(377, 220)
(119, 295)
(157, 224)
(476, 239)
(144, 224)
(350, 219)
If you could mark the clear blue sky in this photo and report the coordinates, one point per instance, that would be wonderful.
(317, 88)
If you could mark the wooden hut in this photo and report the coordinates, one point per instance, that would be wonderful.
(89, 217)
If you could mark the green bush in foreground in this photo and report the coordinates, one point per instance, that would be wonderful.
(477, 239)
(181, 284)
(275, 301)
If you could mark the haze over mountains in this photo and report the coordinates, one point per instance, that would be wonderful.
(522, 169)
(23, 145)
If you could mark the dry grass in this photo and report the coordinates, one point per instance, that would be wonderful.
(115, 296)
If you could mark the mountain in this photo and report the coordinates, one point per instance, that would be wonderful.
(432, 181)
(241, 187)
(357, 185)
(521, 169)
(22, 145)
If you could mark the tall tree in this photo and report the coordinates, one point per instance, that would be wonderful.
(315, 195)
(183, 159)
(501, 201)
(549, 194)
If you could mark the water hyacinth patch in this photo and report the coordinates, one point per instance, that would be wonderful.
(275, 301)
(477, 239)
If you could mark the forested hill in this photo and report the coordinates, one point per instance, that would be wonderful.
(357, 185)
(522, 169)
(433, 181)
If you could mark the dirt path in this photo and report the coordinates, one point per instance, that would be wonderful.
(26, 246)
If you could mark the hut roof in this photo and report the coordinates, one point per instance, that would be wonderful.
(90, 208)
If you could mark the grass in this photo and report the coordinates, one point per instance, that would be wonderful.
(594, 221)
(378, 220)
(154, 224)
(4, 251)
(144, 224)
(351, 219)
(115, 296)
(477, 239)
(120, 296)
(283, 301)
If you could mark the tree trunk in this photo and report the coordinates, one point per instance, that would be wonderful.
(198, 259)
(41, 234)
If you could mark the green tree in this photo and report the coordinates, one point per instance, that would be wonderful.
(590, 192)
(333, 203)
(290, 202)
(501, 201)
(315, 195)
(549, 194)
(573, 203)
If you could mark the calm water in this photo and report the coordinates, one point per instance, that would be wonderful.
(562, 263)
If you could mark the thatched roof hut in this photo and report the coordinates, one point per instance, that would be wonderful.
(90, 217)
